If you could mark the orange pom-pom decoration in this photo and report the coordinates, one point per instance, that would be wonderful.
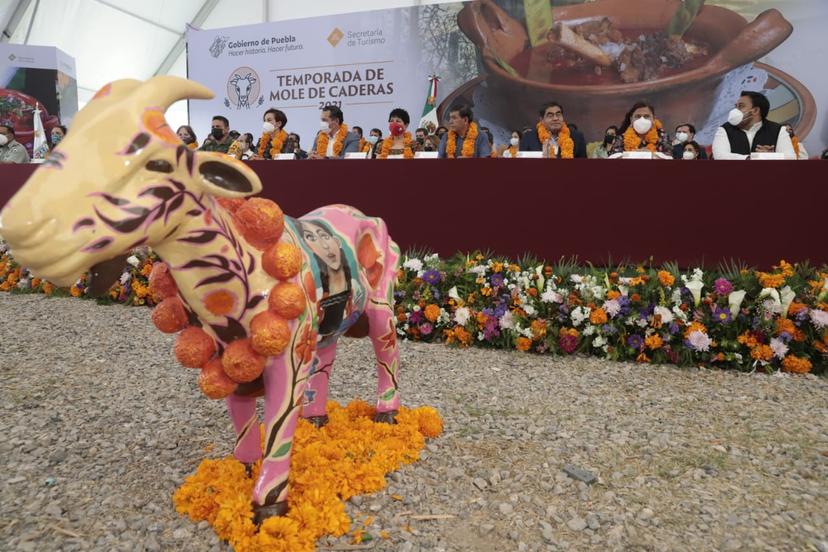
(214, 382)
(287, 300)
(169, 316)
(261, 222)
(231, 204)
(282, 260)
(194, 347)
(241, 363)
(269, 333)
(161, 283)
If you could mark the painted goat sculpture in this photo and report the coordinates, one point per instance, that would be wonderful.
(259, 299)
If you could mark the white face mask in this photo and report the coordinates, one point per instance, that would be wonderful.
(642, 125)
(688, 155)
(268, 127)
(682, 137)
(515, 141)
(373, 139)
(3, 140)
(735, 116)
(324, 125)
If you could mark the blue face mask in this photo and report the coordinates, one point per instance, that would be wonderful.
(56, 138)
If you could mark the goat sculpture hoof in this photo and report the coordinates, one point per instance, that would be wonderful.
(389, 417)
(318, 421)
(261, 513)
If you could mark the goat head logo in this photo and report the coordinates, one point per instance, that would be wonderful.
(243, 88)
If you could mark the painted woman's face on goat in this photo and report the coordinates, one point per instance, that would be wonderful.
(323, 244)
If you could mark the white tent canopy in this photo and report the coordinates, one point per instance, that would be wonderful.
(115, 39)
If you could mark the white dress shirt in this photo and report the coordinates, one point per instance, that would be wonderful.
(331, 139)
(721, 144)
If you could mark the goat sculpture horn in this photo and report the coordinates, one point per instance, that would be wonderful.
(163, 91)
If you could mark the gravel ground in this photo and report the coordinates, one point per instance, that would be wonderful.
(98, 427)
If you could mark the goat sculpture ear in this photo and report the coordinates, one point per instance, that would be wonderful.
(223, 176)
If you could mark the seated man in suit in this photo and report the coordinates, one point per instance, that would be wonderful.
(553, 136)
(464, 139)
(748, 130)
(333, 140)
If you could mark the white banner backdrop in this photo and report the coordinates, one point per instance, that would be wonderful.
(366, 63)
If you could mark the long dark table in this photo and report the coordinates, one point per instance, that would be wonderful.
(700, 212)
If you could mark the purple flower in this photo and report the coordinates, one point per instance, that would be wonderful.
(674, 328)
(426, 329)
(723, 286)
(624, 301)
(721, 314)
(432, 277)
(606, 329)
(497, 279)
(415, 317)
(635, 341)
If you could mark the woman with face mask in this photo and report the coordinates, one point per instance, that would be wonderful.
(399, 142)
(692, 151)
(641, 131)
(601, 151)
(274, 135)
(514, 145)
(185, 134)
(57, 134)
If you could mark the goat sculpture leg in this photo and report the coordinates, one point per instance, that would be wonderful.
(242, 411)
(285, 380)
(383, 334)
(315, 408)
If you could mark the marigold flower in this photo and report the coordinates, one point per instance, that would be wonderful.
(169, 315)
(598, 316)
(241, 362)
(653, 342)
(260, 221)
(194, 347)
(666, 278)
(161, 283)
(523, 344)
(613, 294)
(796, 365)
(761, 352)
(213, 381)
(269, 333)
(282, 260)
(770, 280)
(538, 328)
(432, 312)
(693, 327)
(287, 300)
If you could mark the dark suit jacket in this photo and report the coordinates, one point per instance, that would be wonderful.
(531, 142)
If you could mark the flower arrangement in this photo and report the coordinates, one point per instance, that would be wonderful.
(732, 317)
(350, 456)
(132, 288)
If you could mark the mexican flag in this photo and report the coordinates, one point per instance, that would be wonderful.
(41, 146)
(429, 118)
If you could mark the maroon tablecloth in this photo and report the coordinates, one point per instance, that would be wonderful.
(701, 212)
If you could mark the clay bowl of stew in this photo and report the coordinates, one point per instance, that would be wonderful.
(596, 98)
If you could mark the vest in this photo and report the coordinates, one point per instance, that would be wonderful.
(767, 136)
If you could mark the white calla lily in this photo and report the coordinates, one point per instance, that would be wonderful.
(695, 287)
(786, 295)
(735, 301)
